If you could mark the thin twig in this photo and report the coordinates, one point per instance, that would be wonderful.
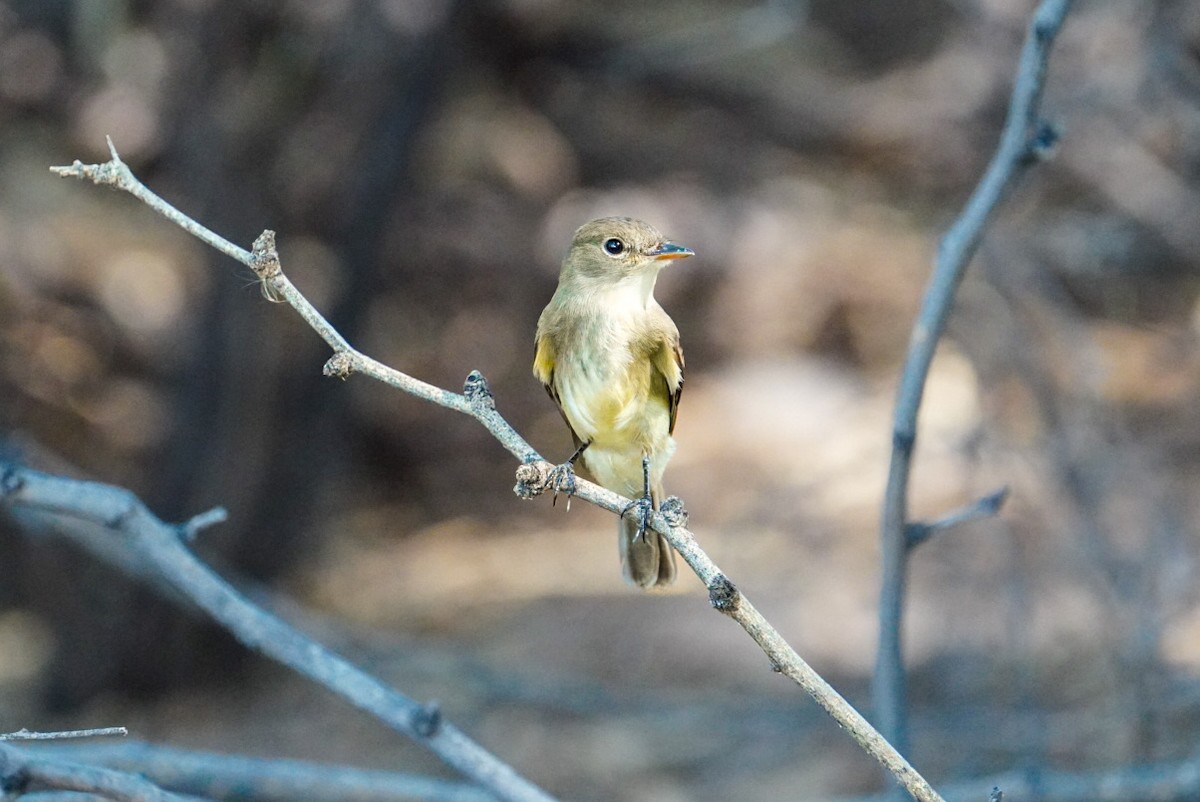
(983, 507)
(207, 773)
(1024, 140)
(28, 735)
(192, 527)
(21, 771)
(477, 401)
(124, 515)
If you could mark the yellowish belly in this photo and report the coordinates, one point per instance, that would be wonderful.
(616, 408)
(625, 416)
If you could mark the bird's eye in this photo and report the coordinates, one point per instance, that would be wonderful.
(614, 246)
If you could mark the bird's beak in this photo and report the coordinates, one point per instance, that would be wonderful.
(669, 250)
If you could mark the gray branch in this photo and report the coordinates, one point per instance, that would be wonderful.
(207, 773)
(123, 517)
(477, 401)
(28, 735)
(1026, 138)
(21, 771)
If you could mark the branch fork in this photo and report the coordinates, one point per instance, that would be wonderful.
(1025, 139)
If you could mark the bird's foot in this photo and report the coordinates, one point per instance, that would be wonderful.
(641, 507)
(562, 480)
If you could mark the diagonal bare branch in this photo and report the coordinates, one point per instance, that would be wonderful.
(1160, 782)
(477, 401)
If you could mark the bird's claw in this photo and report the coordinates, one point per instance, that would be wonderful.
(562, 479)
(642, 507)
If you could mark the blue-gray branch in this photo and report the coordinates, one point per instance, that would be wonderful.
(1026, 139)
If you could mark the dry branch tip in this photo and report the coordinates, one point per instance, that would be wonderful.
(102, 174)
(72, 170)
(192, 527)
(110, 173)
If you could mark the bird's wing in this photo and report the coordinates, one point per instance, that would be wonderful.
(668, 361)
(543, 369)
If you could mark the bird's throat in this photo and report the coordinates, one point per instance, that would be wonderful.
(630, 294)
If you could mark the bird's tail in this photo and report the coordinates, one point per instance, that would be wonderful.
(647, 559)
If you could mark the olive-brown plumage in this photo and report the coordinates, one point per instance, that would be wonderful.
(610, 358)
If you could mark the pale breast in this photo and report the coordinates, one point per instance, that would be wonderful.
(608, 392)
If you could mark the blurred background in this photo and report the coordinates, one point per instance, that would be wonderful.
(425, 162)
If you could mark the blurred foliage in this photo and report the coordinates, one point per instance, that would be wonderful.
(424, 162)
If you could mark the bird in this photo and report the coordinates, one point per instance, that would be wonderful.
(609, 356)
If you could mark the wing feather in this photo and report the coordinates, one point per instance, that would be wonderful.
(668, 361)
(543, 369)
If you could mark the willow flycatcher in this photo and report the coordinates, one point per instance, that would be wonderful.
(609, 356)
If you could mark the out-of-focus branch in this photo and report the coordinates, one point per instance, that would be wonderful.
(68, 796)
(21, 771)
(160, 546)
(983, 507)
(207, 773)
(477, 401)
(1163, 782)
(1026, 138)
(27, 735)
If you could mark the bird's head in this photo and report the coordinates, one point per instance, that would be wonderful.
(617, 248)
